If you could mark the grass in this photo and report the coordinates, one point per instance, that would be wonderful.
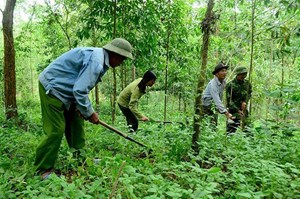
(261, 164)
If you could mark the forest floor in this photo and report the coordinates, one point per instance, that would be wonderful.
(262, 163)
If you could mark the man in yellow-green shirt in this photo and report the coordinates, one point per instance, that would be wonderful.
(129, 97)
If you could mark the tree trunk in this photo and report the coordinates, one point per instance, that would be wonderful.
(9, 62)
(166, 76)
(268, 100)
(252, 47)
(206, 28)
(95, 43)
(167, 65)
(179, 102)
(113, 111)
(133, 73)
(122, 78)
(282, 76)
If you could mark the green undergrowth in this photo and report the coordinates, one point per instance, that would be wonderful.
(262, 163)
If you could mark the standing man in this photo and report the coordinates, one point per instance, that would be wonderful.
(238, 93)
(213, 94)
(64, 87)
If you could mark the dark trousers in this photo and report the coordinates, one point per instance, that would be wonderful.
(239, 122)
(132, 121)
(233, 125)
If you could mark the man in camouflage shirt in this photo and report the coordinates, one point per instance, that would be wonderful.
(238, 93)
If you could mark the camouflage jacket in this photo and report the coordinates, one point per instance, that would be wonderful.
(236, 93)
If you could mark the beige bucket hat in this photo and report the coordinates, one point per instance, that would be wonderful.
(120, 46)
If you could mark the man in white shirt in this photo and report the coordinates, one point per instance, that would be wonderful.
(213, 94)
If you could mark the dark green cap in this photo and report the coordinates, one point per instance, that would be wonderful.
(240, 70)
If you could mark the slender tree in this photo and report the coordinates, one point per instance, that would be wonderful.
(166, 68)
(206, 27)
(114, 96)
(64, 27)
(9, 61)
(95, 43)
(252, 43)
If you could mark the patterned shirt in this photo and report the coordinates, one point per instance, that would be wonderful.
(74, 74)
(237, 92)
(214, 93)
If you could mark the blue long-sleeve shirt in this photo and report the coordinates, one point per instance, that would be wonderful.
(214, 93)
(74, 74)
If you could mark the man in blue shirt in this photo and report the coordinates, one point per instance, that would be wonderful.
(64, 87)
(213, 94)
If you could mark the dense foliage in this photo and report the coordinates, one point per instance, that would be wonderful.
(263, 163)
(166, 35)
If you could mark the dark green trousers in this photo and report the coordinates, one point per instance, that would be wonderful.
(57, 121)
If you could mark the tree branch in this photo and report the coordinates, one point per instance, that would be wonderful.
(60, 24)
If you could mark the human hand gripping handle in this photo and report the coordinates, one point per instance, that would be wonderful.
(144, 119)
(94, 118)
(243, 109)
(229, 115)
